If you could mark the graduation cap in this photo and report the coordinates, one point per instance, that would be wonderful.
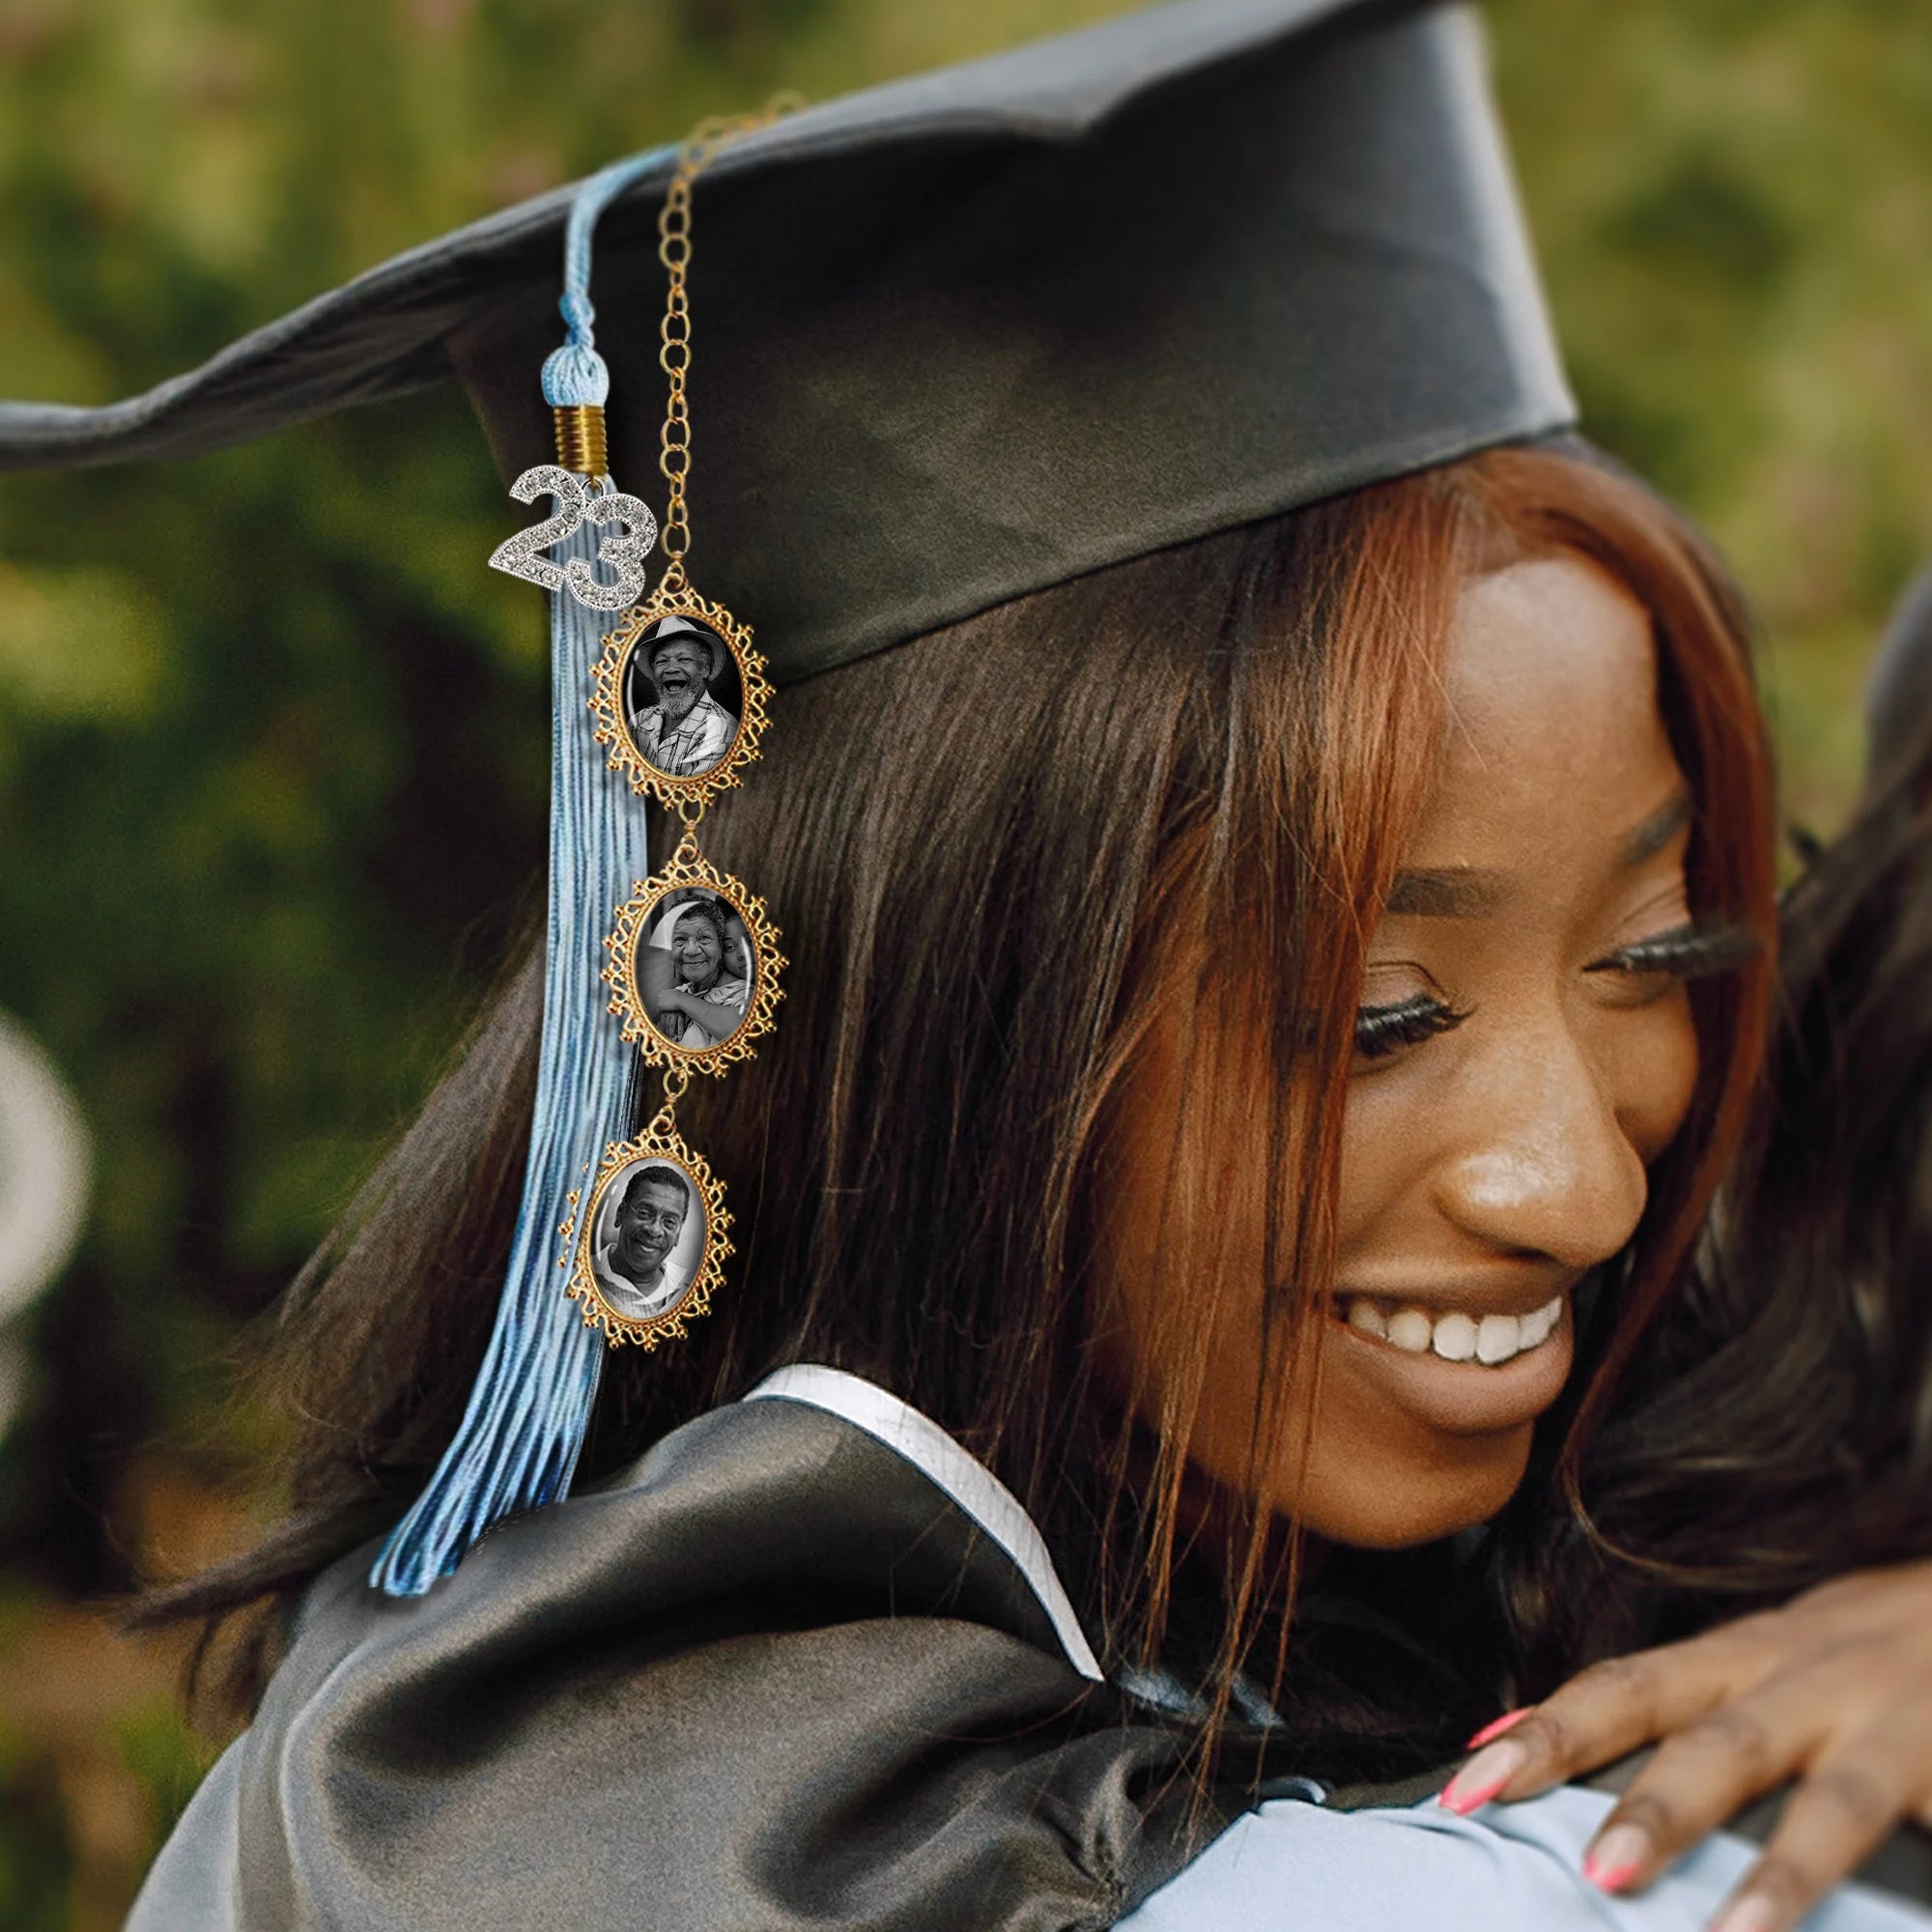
(977, 332)
(961, 338)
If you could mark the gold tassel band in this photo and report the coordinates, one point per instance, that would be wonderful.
(580, 447)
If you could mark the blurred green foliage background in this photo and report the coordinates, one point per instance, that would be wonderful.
(272, 742)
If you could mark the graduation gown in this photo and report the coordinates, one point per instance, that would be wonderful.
(776, 1675)
(806, 1664)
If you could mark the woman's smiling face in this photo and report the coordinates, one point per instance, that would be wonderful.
(1517, 1069)
(695, 947)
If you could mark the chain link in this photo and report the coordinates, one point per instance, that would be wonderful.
(664, 1122)
(674, 352)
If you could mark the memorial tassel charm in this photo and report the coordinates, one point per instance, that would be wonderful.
(678, 705)
(679, 699)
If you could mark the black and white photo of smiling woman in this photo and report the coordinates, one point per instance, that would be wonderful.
(695, 970)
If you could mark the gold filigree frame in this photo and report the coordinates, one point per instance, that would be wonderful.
(660, 1141)
(687, 868)
(613, 727)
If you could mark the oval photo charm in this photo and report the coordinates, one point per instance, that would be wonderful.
(652, 1242)
(693, 967)
(680, 697)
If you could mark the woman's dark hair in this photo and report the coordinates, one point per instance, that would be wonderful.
(711, 913)
(1239, 729)
(1780, 1426)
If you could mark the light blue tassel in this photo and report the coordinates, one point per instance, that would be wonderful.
(576, 374)
(518, 1443)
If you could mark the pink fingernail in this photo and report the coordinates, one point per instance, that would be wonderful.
(1483, 1776)
(1496, 1726)
(1616, 1857)
(1752, 1913)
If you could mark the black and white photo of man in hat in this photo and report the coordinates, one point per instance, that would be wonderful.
(681, 683)
(636, 1263)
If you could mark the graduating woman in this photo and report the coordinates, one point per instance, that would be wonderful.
(1277, 840)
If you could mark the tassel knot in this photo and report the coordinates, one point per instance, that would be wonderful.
(575, 376)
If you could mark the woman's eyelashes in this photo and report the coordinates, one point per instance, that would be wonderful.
(1382, 1030)
(1695, 950)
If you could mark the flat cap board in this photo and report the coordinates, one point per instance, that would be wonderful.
(981, 332)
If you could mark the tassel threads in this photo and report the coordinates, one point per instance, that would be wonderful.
(582, 447)
(517, 1445)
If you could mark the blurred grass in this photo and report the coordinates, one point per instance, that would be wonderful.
(1733, 199)
(271, 779)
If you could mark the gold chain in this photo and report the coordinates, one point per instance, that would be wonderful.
(664, 1120)
(674, 356)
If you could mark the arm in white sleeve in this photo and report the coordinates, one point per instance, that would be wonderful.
(1295, 1867)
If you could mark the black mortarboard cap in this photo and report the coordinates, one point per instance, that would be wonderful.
(974, 334)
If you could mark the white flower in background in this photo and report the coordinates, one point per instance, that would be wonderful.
(46, 1169)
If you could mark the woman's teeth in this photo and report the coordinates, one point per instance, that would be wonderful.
(1490, 1339)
